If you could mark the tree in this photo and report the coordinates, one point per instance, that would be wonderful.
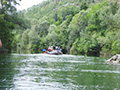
(51, 37)
(8, 7)
(114, 8)
(42, 28)
(84, 6)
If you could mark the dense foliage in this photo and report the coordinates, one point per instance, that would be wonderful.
(79, 27)
(7, 9)
(89, 27)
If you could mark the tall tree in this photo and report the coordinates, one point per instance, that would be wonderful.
(7, 8)
(84, 6)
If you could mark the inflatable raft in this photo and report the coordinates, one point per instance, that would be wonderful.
(54, 52)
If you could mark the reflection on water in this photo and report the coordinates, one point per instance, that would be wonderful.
(52, 72)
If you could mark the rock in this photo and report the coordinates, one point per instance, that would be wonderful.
(114, 59)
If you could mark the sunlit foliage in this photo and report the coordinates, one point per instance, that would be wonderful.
(89, 27)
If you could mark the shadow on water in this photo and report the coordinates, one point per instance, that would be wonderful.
(57, 72)
(6, 72)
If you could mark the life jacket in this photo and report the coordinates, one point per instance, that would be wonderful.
(45, 52)
(58, 48)
(50, 49)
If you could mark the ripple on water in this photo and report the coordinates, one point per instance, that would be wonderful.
(57, 72)
(100, 71)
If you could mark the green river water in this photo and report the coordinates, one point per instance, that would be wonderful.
(57, 72)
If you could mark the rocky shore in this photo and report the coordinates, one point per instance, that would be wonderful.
(114, 59)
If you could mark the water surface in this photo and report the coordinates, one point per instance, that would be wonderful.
(57, 72)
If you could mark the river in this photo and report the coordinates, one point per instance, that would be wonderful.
(57, 72)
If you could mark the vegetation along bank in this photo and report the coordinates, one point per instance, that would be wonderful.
(90, 27)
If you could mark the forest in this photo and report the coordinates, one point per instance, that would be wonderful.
(80, 27)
